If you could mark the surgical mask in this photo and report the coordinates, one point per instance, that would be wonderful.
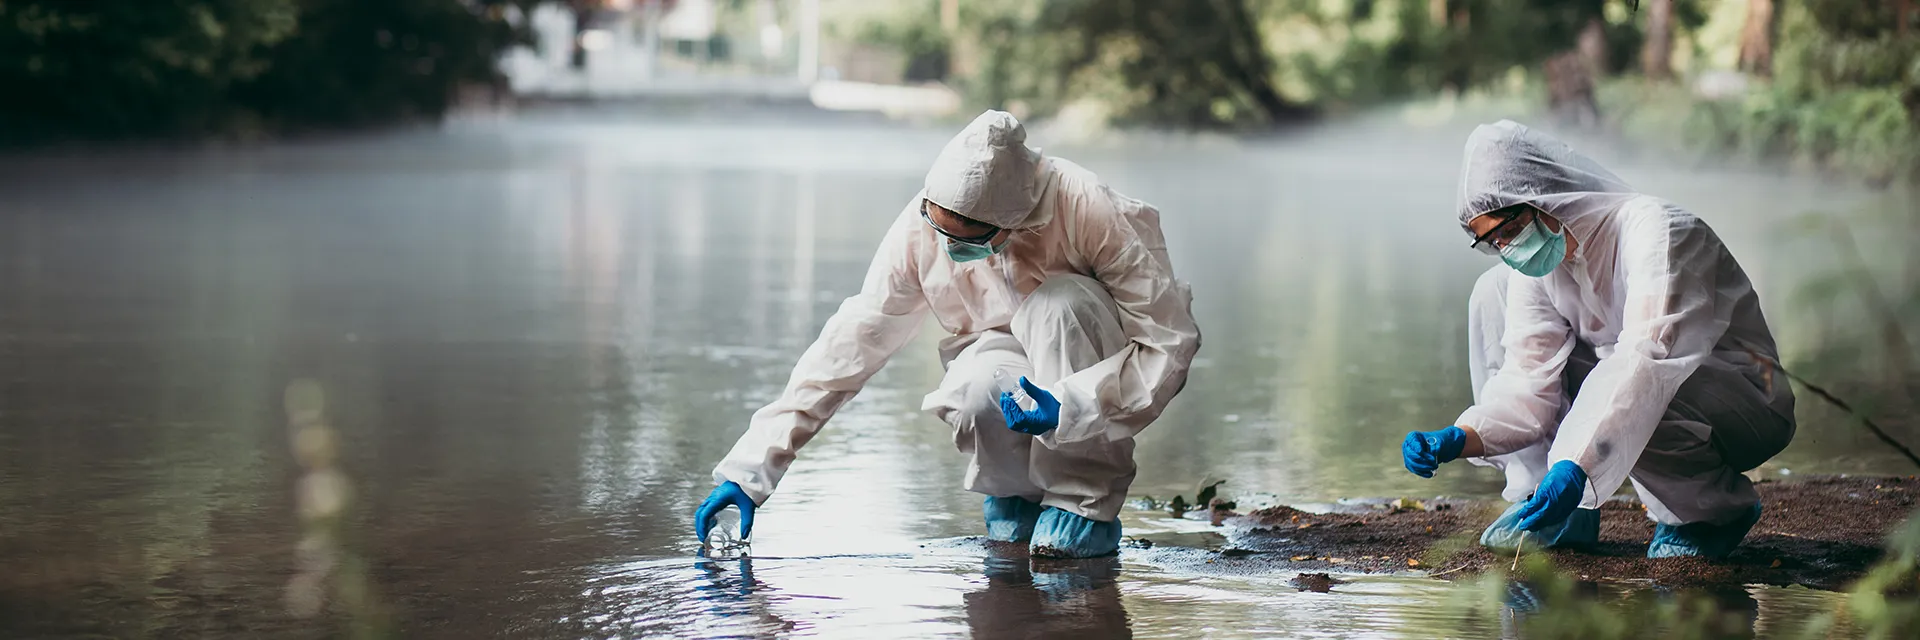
(1535, 251)
(969, 252)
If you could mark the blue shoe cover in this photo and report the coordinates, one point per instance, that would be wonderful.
(1582, 529)
(1010, 519)
(1060, 534)
(1702, 538)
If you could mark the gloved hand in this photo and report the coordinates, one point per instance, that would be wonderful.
(1044, 417)
(1556, 498)
(1425, 451)
(723, 495)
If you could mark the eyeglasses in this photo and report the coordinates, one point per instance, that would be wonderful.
(1489, 242)
(980, 240)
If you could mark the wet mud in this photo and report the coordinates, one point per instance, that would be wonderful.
(1817, 532)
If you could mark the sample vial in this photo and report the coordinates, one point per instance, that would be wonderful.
(1008, 384)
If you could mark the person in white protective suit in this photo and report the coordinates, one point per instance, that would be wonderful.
(1041, 274)
(1616, 342)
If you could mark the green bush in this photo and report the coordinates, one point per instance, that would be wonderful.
(135, 68)
(108, 69)
(360, 62)
(1845, 99)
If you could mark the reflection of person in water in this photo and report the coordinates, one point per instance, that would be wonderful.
(1048, 599)
(737, 598)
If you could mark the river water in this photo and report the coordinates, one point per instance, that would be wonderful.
(531, 338)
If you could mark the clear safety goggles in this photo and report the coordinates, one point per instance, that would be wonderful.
(1490, 242)
(980, 240)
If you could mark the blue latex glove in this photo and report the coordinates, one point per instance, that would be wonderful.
(723, 495)
(1044, 417)
(1556, 498)
(1425, 451)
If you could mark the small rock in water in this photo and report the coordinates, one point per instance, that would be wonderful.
(1315, 582)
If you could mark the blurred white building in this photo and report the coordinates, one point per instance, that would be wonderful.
(761, 50)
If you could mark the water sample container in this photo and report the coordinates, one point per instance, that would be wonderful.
(1008, 384)
(723, 540)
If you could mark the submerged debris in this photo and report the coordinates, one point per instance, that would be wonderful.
(1220, 510)
(1205, 498)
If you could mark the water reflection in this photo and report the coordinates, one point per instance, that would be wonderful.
(731, 594)
(1035, 598)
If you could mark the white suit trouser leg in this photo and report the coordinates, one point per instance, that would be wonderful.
(1067, 324)
(1718, 425)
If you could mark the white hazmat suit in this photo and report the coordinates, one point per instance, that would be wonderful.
(1633, 359)
(1083, 300)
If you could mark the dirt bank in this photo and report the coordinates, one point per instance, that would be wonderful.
(1820, 532)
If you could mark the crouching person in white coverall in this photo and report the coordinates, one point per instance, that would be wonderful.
(1043, 275)
(1616, 342)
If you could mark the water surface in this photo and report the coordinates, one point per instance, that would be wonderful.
(534, 337)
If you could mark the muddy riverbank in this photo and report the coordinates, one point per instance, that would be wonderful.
(1821, 532)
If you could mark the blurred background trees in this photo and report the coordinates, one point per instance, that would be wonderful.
(1831, 84)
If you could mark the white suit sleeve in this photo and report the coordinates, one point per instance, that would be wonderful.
(1670, 324)
(855, 343)
(1526, 396)
(1117, 397)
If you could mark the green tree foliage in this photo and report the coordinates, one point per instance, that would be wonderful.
(1845, 97)
(118, 68)
(357, 62)
(1200, 62)
(1233, 63)
(121, 68)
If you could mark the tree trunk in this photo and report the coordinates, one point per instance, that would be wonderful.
(1902, 16)
(1593, 46)
(1656, 60)
(582, 20)
(1756, 39)
(1251, 66)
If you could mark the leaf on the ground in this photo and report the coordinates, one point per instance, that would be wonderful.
(1413, 562)
(1300, 558)
(1406, 504)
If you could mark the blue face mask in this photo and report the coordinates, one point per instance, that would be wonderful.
(1536, 251)
(969, 252)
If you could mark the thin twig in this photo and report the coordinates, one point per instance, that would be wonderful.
(1516, 554)
(1442, 573)
(1836, 401)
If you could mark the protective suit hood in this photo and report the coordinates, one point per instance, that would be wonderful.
(1507, 164)
(988, 173)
